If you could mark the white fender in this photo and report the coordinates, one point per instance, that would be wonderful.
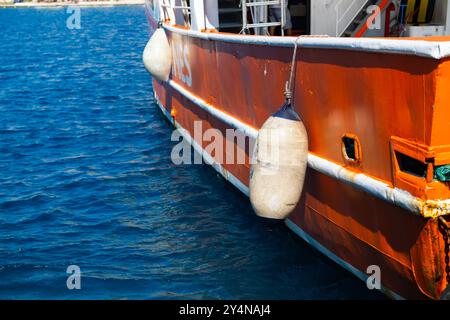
(279, 165)
(157, 55)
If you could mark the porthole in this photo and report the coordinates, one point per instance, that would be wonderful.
(410, 165)
(351, 148)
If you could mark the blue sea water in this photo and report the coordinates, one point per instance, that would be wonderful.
(86, 179)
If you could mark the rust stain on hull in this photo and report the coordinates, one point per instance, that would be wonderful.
(376, 97)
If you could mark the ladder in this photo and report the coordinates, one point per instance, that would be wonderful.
(262, 23)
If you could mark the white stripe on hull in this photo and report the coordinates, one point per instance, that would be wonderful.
(379, 189)
(291, 225)
(206, 156)
(361, 275)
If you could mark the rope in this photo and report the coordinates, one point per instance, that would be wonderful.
(288, 93)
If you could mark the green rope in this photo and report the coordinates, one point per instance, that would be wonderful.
(442, 173)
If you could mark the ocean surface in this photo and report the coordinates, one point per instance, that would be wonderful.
(86, 179)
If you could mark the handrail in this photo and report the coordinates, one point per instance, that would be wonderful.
(252, 5)
(262, 3)
(167, 5)
(175, 7)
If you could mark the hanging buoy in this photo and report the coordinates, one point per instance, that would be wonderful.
(158, 55)
(279, 164)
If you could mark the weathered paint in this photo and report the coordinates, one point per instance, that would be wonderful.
(377, 188)
(374, 96)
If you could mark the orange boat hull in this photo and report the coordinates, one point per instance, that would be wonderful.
(374, 96)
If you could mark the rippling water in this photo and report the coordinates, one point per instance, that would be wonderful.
(86, 179)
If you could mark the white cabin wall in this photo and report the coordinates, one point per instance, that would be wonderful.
(204, 15)
(197, 15)
(331, 17)
(440, 12)
(441, 15)
(446, 9)
(179, 17)
(212, 14)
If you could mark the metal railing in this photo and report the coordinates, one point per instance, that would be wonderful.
(170, 5)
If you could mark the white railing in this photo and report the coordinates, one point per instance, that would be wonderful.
(169, 8)
(260, 23)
